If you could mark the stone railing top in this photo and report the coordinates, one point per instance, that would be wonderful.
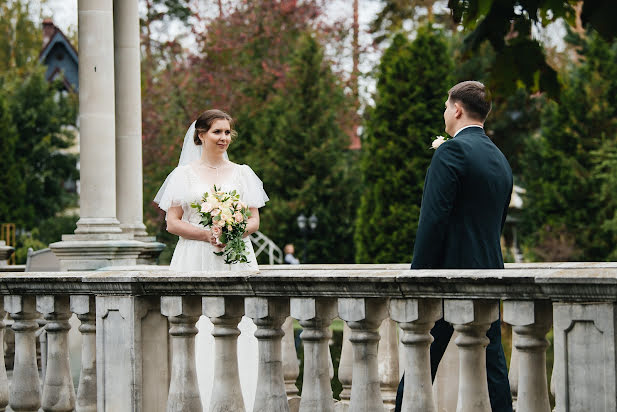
(567, 281)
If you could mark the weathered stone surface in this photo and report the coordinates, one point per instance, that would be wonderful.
(584, 374)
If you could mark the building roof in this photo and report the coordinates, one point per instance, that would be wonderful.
(56, 46)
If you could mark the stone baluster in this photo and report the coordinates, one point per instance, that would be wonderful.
(268, 314)
(345, 367)
(4, 382)
(531, 321)
(416, 317)
(315, 316)
(513, 372)
(85, 309)
(25, 392)
(225, 313)
(58, 390)
(472, 319)
(364, 316)
(183, 313)
(291, 364)
(387, 355)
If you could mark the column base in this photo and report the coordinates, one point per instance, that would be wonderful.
(95, 225)
(150, 251)
(92, 252)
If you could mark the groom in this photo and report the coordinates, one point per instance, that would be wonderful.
(466, 196)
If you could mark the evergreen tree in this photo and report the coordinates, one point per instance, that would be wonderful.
(35, 167)
(303, 159)
(568, 169)
(411, 90)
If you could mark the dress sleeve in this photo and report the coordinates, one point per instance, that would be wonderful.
(174, 190)
(253, 194)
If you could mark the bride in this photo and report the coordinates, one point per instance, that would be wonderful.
(203, 164)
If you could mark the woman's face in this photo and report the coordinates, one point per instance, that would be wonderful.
(217, 139)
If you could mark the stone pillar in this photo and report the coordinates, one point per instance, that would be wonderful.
(58, 389)
(85, 309)
(363, 316)
(387, 355)
(531, 321)
(345, 367)
(98, 240)
(472, 319)
(183, 313)
(129, 192)
(97, 145)
(315, 316)
(416, 318)
(225, 314)
(445, 385)
(4, 382)
(131, 354)
(584, 368)
(291, 364)
(268, 314)
(129, 180)
(513, 371)
(25, 392)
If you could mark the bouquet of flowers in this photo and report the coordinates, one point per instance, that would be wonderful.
(226, 216)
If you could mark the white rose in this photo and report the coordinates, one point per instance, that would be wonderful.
(438, 141)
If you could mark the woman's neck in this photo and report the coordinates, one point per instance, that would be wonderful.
(212, 160)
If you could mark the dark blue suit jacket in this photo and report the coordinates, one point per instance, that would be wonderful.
(464, 205)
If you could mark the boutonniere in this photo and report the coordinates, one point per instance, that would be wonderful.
(438, 141)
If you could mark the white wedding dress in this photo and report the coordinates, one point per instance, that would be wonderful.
(187, 184)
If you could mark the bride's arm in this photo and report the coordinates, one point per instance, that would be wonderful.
(177, 226)
(252, 225)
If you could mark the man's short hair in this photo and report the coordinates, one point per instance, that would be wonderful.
(474, 97)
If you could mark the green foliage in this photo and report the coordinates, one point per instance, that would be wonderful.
(412, 88)
(35, 115)
(302, 158)
(569, 168)
(506, 25)
(48, 231)
(35, 119)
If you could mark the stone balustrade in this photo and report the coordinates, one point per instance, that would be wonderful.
(133, 320)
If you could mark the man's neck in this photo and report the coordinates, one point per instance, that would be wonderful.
(467, 125)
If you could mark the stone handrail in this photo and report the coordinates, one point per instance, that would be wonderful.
(131, 310)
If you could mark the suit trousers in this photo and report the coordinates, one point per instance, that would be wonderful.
(496, 369)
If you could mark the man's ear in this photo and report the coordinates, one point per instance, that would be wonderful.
(458, 110)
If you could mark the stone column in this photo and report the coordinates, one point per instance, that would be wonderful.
(416, 318)
(345, 367)
(129, 180)
(58, 389)
(225, 314)
(98, 240)
(183, 313)
(363, 316)
(387, 355)
(268, 314)
(129, 192)
(531, 321)
(4, 382)
(584, 369)
(472, 319)
(315, 316)
(513, 371)
(97, 146)
(291, 364)
(131, 354)
(85, 309)
(25, 392)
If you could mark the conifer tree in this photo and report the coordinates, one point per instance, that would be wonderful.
(412, 87)
(569, 212)
(303, 159)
